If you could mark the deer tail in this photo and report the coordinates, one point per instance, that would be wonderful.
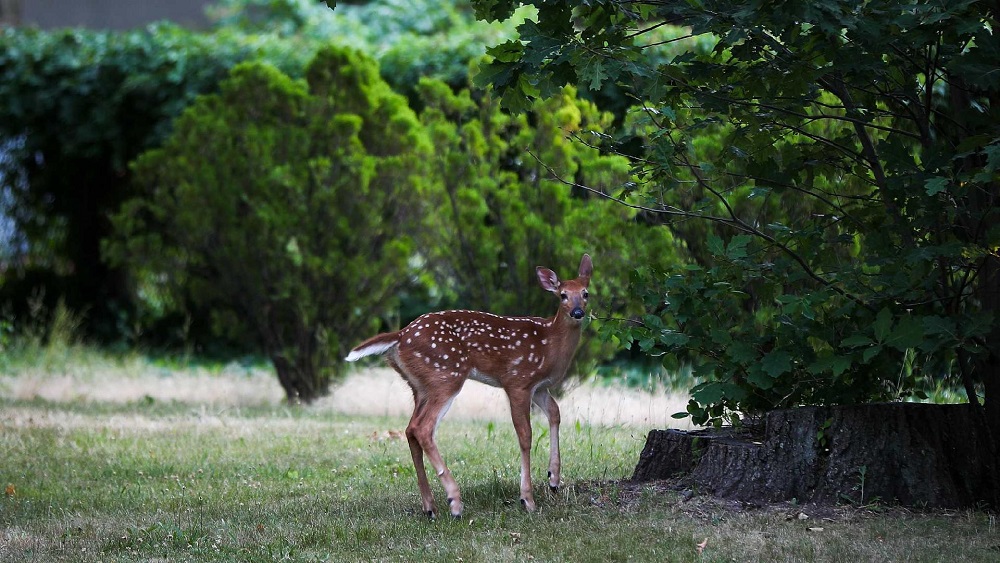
(374, 346)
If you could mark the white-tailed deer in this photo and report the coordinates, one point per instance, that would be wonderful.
(438, 352)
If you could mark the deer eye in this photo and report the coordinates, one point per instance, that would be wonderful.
(586, 295)
(563, 296)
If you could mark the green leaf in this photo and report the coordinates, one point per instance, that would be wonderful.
(759, 379)
(497, 74)
(708, 393)
(939, 325)
(594, 74)
(936, 185)
(870, 353)
(992, 157)
(837, 365)
(507, 52)
(883, 324)
(721, 337)
(856, 341)
(652, 322)
(909, 333)
(715, 245)
(742, 352)
(776, 363)
(673, 338)
(738, 247)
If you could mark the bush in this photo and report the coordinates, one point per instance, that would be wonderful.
(410, 39)
(282, 206)
(78, 106)
(502, 211)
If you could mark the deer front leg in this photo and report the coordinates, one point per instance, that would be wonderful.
(548, 405)
(520, 412)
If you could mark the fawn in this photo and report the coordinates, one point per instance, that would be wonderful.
(438, 352)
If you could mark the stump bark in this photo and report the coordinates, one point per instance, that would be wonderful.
(912, 454)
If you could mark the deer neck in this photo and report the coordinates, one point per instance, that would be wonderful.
(563, 338)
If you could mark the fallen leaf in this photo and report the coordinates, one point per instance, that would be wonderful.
(701, 546)
(815, 529)
(10, 490)
(802, 516)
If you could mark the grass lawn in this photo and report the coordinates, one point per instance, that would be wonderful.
(121, 461)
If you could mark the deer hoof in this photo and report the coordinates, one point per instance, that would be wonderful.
(553, 483)
(529, 504)
(456, 508)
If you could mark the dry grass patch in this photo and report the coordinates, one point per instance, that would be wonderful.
(368, 392)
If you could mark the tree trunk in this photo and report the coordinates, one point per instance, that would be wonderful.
(911, 454)
(302, 386)
(989, 296)
(295, 352)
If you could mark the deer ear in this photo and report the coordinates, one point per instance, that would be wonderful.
(586, 269)
(548, 279)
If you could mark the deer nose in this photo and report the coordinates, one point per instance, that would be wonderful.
(577, 313)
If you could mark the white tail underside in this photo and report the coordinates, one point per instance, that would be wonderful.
(372, 350)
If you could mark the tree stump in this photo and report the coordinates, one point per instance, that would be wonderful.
(912, 454)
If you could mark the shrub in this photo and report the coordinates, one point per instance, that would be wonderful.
(410, 38)
(78, 106)
(283, 206)
(511, 200)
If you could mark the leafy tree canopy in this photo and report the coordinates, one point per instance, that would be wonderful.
(842, 158)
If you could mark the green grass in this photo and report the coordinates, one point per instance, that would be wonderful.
(167, 482)
(162, 480)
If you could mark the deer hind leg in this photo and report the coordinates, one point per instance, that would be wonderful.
(520, 413)
(428, 412)
(417, 454)
(544, 400)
